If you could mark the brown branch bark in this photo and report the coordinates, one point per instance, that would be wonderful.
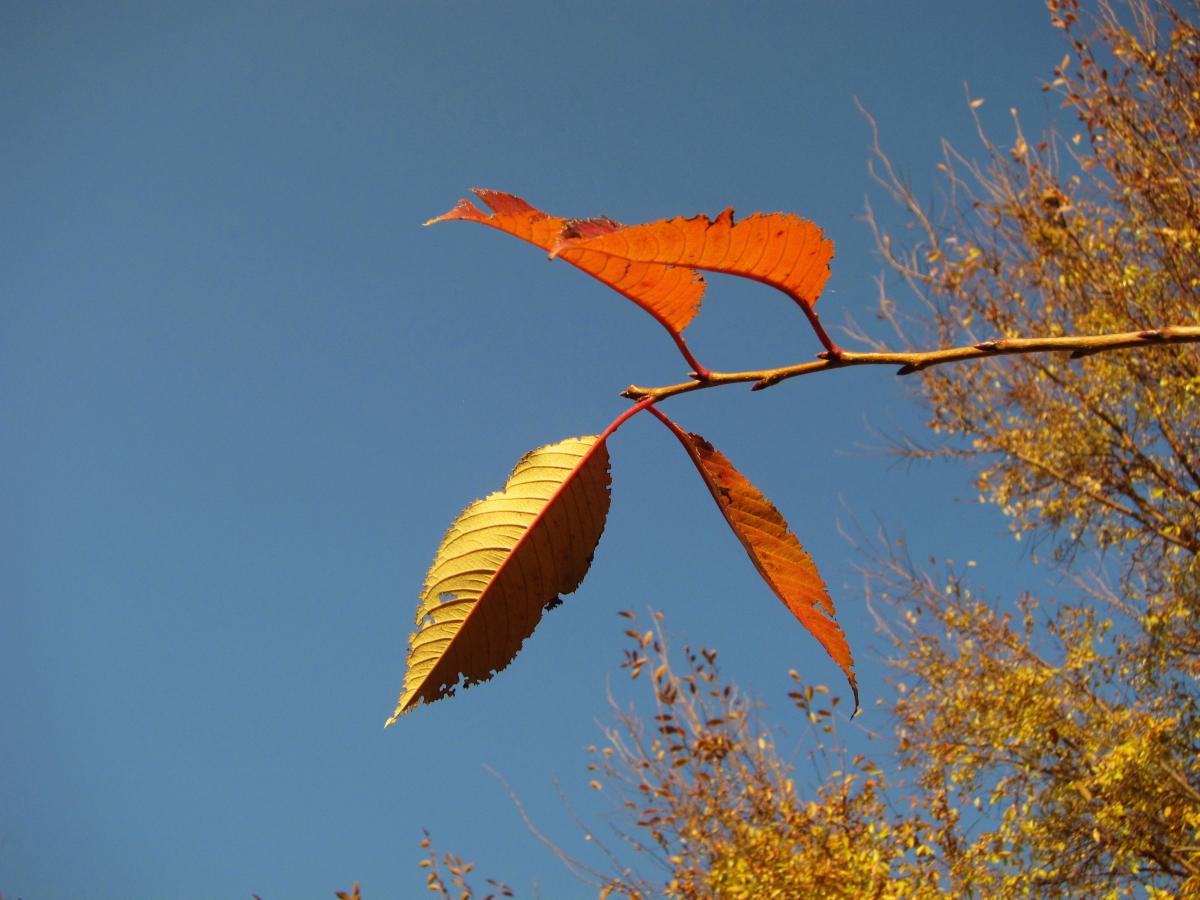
(915, 361)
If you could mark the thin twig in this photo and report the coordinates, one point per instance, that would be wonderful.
(915, 361)
(579, 869)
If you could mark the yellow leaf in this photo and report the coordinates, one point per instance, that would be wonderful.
(504, 560)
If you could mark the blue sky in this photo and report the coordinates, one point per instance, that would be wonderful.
(243, 394)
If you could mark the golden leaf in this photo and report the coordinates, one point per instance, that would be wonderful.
(505, 559)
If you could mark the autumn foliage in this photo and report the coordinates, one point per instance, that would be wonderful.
(509, 557)
(1045, 745)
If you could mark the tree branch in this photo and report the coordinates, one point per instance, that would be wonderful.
(915, 361)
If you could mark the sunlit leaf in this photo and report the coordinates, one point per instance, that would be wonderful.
(505, 559)
(670, 293)
(776, 553)
(778, 249)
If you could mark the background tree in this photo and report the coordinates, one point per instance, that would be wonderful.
(1053, 743)
(1077, 718)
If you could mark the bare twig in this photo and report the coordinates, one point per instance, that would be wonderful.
(580, 870)
(915, 361)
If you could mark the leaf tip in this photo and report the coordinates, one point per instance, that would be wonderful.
(464, 209)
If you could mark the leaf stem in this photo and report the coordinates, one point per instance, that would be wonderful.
(832, 350)
(643, 403)
(699, 371)
(911, 361)
(671, 426)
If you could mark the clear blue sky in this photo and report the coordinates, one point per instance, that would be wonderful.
(243, 393)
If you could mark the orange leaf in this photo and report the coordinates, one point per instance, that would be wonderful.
(668, 292)
(776, 553)
(779, 249)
